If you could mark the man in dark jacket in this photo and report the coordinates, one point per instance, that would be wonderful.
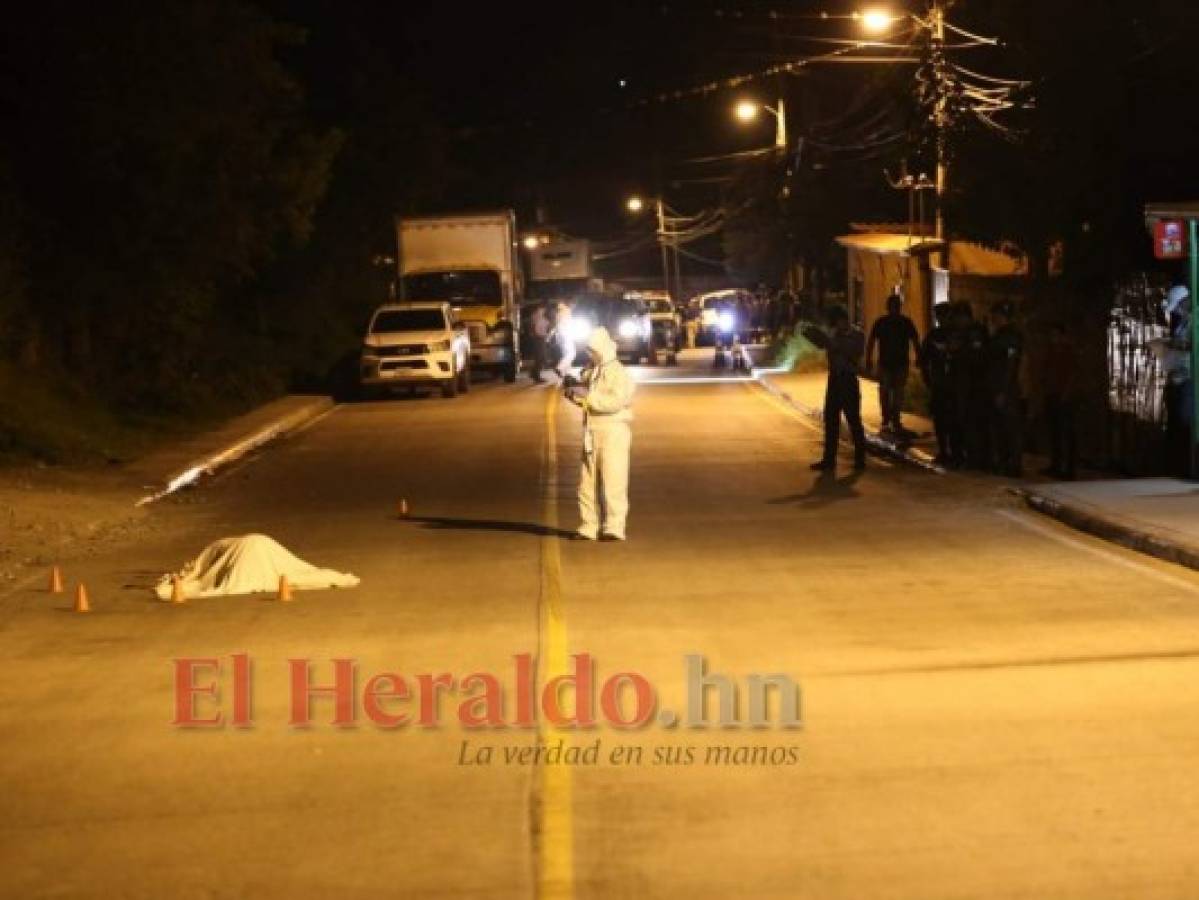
(844, 345)
(935, 367)
(1005, 352)
(893, 335)
(968, 376)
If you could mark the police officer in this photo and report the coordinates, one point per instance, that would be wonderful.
(844, 346)
(1005, 352)
(935, 367)
(968, 376)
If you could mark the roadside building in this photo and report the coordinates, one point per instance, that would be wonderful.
(882, 261)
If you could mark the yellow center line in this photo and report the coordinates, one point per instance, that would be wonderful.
(554, 843)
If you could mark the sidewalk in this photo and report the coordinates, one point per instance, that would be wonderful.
(805, 391)
(1156, 516)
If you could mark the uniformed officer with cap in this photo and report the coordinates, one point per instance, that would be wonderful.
(1005, 352)
(935, 367)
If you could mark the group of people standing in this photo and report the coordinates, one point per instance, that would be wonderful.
(973, 377)
(972, 372)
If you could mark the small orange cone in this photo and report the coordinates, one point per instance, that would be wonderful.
(177, 590)
(403, 509)
(55, 581)
(81, 604)
(284, 589)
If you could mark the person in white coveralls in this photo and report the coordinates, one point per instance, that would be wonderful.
(607, 438)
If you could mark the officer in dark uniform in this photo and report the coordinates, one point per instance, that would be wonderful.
(844, 345)
(935, 367)
(1005, 352)
(968, 376)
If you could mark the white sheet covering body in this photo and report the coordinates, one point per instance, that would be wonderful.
(249, 564)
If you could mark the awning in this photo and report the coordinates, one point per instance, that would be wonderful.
(1174, 210)
(891, 244)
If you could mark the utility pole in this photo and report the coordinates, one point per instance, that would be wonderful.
(661, 207)
(940, 119)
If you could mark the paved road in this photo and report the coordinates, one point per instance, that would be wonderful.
(993, 706)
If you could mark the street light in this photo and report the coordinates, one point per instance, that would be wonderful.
(876, 21)
(879, 20)
(635, 205)
(747, 111)
(532, 242)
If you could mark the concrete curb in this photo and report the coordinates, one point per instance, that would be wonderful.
(279, 427)
(875, 443)
(1136, 537)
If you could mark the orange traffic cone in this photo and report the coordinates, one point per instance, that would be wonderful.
(403, 509)
(55, 581)
(177, 590)
(81, 604)
(284, 589)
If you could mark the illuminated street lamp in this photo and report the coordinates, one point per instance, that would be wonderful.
(532, 242)
(748, 110)
(635, 205)
(876, 21)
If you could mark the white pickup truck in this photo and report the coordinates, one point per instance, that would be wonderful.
(409, 344)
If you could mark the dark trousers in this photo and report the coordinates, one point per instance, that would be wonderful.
(1007, 434)
(946, 423)
(538, 352)
(1062, 416)
(1178, 427)
(972, 409)
(891, 384)
(843, 397)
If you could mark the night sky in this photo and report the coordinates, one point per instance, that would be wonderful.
(544, 97)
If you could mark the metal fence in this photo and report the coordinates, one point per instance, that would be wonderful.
(1136, 379)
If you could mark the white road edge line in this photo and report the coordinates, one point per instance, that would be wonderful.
(232, 454)
(1025, 521)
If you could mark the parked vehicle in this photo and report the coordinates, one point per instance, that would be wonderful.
(470, 262)
(666, 325)
(720, 316)
(627, 320)
(412, 344)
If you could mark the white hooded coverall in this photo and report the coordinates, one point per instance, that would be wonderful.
(607, 438)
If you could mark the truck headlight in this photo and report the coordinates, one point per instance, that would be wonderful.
(628, 328)
(726, 321)
(579, 330)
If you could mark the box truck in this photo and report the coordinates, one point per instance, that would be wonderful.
(468, 260)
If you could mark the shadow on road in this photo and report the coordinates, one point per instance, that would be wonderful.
(826, 489)
(449, 524)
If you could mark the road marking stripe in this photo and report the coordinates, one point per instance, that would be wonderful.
(554, 828)
(1111, 556)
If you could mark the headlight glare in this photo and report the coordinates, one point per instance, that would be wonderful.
(579, 329)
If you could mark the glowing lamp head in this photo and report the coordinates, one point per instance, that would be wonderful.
(531, 242)
(876, 21)
(635, 204)
(747, 110)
